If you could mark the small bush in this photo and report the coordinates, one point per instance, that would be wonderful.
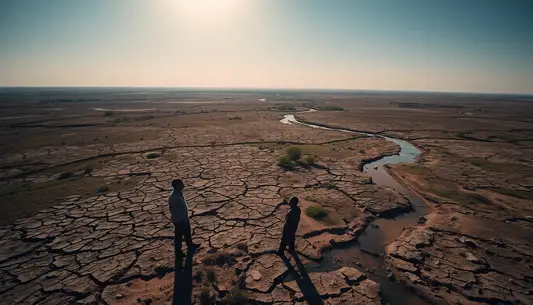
(311, 198)
(220, 259)
(309, 159)
(153, 155)
(330, 186)
(285, 162)
(102, 189)
(294, 153)
(109, 113)
(235, 118)
(65, 175)
(237, 297)
(316, 212)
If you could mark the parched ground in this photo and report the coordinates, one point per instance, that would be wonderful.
(84, 187)
(102, 234)
(476, 170)
(476, 246)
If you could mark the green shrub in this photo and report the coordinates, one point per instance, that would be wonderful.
(294, 153)
(65, 175)
(316, 212)
(285, 162)
(309, 198)
(109, 113)
(153, 155)
(330, 186)
(309, 159)
(237, 297)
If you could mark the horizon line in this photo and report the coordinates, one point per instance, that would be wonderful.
(214, 88)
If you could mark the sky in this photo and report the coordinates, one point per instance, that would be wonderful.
(421, 45)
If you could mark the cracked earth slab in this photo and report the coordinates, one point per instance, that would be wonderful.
(460, 256)
(83, 248)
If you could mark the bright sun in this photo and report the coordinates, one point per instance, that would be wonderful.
(208, 13)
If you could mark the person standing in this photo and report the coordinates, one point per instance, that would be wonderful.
(291, 226)
(180, 217)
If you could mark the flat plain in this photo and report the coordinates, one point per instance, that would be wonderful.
(85, 176)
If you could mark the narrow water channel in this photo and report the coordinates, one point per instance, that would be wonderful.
(366, 254)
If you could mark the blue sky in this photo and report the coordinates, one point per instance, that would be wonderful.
(452, 45)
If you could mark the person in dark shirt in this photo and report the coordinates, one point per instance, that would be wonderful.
(291, 226)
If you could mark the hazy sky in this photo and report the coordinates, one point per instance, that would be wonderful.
(446, 45)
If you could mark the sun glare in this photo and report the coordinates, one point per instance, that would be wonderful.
(208, 13)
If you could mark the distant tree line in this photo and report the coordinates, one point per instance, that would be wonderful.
(68, 100)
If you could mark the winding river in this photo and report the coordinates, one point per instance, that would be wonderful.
(369, 249)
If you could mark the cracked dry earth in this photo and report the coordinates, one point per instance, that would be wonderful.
(98, 250)
(458, 257)
(472, 249)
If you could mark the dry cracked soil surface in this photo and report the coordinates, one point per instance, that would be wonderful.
(82, 243)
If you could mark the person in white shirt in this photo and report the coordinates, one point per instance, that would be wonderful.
(180, 216)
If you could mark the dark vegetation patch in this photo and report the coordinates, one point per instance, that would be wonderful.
(207, 297)
(284, 108)
(25, 199)
(65, 175)
(102, 189)
(451, 191)
(513, 193)
(294, 153)
(427, 105)
(68, 100)
(88, 168)
(329, 108)
(153, 155)
(310, 159)
(330, 186)
(316, 212)
(222, 258)
(494, 166)
(236, 297)
(286, 162)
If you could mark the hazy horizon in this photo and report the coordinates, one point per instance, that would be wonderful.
(383, 45)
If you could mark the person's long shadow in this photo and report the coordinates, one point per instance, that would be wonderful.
(303, 281)
(183, 279)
